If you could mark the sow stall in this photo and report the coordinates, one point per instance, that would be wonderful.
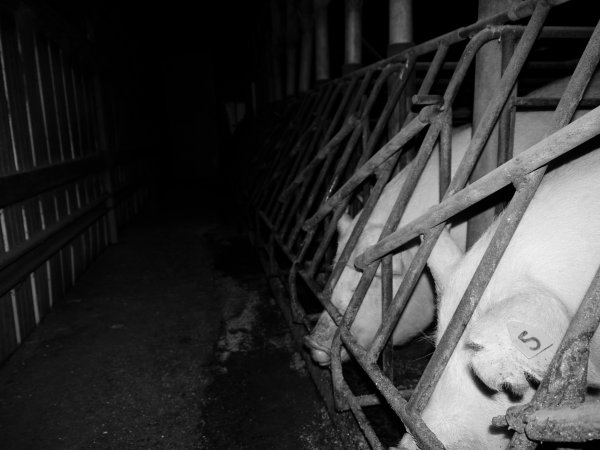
(334, 149)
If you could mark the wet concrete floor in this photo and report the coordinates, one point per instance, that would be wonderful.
(169, 341)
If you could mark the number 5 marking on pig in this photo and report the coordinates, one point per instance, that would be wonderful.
(524, 340)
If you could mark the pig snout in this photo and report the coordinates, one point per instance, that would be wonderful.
(319, 353)
(320, 339)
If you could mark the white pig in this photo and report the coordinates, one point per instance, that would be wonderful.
(530, 127)
(524, 311)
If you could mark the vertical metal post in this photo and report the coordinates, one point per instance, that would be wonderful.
(400, 38)
(321, 41)
(306, 44)
(488, 69)
(291, 43)
(353, 36)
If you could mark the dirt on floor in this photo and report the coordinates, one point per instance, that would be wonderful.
(169, 341)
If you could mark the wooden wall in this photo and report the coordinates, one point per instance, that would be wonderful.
(60, 183)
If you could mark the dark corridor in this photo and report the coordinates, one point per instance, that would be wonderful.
(169, 341)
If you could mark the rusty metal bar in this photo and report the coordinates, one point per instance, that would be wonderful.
(551, 103)
(445, 168)
(578, 423)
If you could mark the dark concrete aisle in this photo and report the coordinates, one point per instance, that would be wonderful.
(170, 341)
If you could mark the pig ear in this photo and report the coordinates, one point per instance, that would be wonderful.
(443, 259)
(510, 344)
(344, 224)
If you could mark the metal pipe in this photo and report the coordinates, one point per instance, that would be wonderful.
(488, 71)
(353, 36)
(321, 41)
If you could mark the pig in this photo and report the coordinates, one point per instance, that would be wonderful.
(525, 310)
(530, 127)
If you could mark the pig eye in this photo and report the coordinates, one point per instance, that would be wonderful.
(470, 345)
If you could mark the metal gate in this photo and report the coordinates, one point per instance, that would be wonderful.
(324, 150)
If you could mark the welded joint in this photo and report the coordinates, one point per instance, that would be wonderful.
(518, 175)
(428, 114)
(515, 419)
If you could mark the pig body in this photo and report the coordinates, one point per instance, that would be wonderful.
(530, 127)
(525, 309)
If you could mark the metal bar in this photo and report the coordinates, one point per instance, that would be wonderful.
(57, 237)
(552, 103)
(578, 423)
(445, 166)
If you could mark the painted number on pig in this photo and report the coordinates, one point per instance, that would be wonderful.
(529, 339)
